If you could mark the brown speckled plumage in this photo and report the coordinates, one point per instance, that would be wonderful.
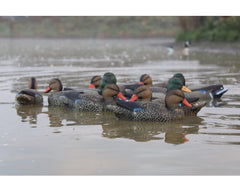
(174, 107)
(76, 100)
(152, 111)
(88, 100)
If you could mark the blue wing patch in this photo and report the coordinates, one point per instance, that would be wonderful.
(203, 91)
(137, 109)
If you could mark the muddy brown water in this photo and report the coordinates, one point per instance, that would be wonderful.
(52, 141)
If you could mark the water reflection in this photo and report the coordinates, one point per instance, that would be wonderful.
(216, 103)
(59, 114)
(29, 113)
(174, 133)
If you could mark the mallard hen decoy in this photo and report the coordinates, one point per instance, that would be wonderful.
(95, 82)
(29, 96)
(204, 93)
(83, 99)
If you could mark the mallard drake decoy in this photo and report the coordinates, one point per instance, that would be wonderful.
(158, 90)
(176, 107)
(144, 93)
(205, 93)
(146, 79)
(126, 90)
(30, 95)
(95, 82)
(108, 78)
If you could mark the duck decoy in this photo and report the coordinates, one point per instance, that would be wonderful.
(146, 80)
(206, 93)
(95, 82)
(176, 107)
(159, 89)
(85, 99)
(142, 93)
(110, 94)
(29, 96)
(108, 78)
(56, 85)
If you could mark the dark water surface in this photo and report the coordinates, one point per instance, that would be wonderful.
(53, 141)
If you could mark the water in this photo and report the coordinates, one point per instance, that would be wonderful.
(52, 141)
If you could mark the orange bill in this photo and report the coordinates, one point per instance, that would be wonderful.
(91, 86)
(184, 138)
(120, 95)
(134, 97)
(47, 90)
(184, 88)
(185, 102)
(141, 83)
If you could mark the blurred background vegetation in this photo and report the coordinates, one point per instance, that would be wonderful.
(88, 26)
(225, 28)
(207, 28)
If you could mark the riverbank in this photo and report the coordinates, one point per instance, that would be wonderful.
(216, 29)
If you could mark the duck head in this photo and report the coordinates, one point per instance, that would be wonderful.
(174, 95)
(95, 82)
(32, 84)
(145, 79)
(181, 78)
(55, 85)
(108, 78)
(110, 91)
(142, 93)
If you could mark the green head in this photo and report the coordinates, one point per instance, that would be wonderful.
(180, 76)
(174, 84)
(108, 78)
